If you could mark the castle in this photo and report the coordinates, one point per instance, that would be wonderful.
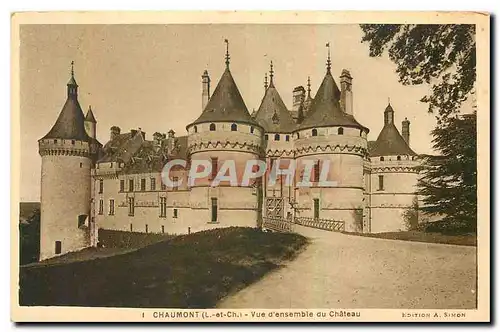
(86, 185)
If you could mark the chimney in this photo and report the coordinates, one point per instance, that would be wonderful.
(299, 95)
(170, 142)
(133, 132)
(405, 130)
(114, 132)
(346, 92)
(205, 89)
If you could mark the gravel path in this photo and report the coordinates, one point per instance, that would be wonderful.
(345, 271)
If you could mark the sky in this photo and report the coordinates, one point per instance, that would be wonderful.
(149, 77)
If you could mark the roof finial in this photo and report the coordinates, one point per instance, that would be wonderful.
(328, 61)
(227, 52)
(265, 81)
(271, 73)
(309, 86)
(389, 100)
(72, 69)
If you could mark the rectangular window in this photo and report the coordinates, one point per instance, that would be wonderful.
(174, 180)
(162, 229)
(131, 228)
(143, 184)
(101, 206)
(101, 186)
(316, 171)
(380, 182)
(131, 185)
(147, 229)
(175, 213)
(163, 186)
(130, 206)
(316, 208)
(153, 184)
(111, 207)
(163, 207)
(58, 247)
(122, 185)
(81, 220)
(214, 209)
(215, 168)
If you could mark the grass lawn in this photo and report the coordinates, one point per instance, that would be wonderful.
(464, 240)
(188, 271)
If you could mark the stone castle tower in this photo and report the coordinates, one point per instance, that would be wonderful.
(330, 134)
(67, 160)
(224, 131)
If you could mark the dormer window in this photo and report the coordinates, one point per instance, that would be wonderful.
(234, 127)
(340, 131)
(212, 127)
(314, 132)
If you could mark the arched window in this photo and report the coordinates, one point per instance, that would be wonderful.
(276, 137)
(212, 127)
(398, 158)
(340, 131)
(234, 127)
(195, 129)
(266, 137)
(381, 158)
(251, 129)
(315, 132)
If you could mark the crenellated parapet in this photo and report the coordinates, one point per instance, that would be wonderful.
(63, 147)
(395, 164)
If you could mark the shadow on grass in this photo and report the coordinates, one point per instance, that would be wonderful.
(428, 237)
(188, 271)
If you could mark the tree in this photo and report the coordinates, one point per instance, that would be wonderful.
(29, 239)
(449, 182)
(443, 55)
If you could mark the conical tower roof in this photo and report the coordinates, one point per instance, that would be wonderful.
(390, 142)
(71, 123)
(226, 103)
(273, 115)
(90, 116)
(325, 109)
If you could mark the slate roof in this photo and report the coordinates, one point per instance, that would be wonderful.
(90, 116)
(273, 115)
(226, 104)
(390, 142)
(325, 108)
(70, 122)
(142, 156)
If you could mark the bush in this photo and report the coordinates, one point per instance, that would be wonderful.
(447, 227)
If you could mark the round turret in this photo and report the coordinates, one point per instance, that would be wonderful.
(226, 137)
(65, 181)
(331, 144)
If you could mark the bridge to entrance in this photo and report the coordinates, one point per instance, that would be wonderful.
(279, 224)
